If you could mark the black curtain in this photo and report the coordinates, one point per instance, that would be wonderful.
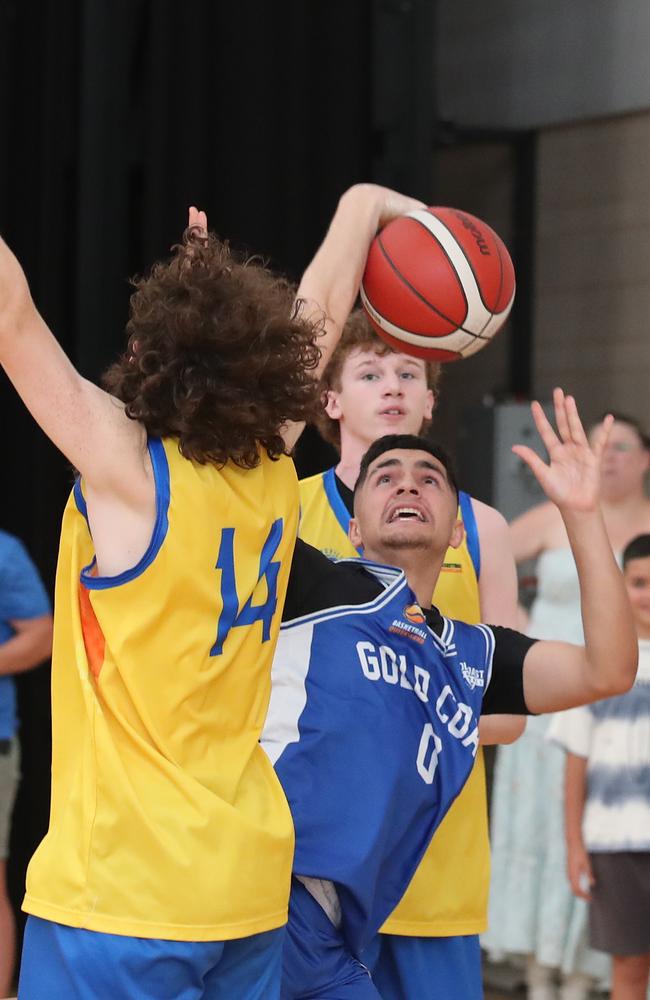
(115, 115)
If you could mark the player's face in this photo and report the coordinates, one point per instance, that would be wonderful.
(625, 462)
(380, 394)
(406, 502)
(637, 581)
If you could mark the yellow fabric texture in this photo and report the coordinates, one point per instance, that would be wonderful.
(448, 894)
(167, 819)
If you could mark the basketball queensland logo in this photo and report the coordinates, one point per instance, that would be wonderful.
(414, 616)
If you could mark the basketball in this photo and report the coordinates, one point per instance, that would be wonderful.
(439, 284)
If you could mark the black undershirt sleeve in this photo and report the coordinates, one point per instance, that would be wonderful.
(316, 583)
(505, 693)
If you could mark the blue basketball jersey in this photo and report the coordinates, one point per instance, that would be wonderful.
(373, 731)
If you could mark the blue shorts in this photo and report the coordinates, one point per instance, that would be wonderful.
(316, 962)
(66, 962)
(442, 968)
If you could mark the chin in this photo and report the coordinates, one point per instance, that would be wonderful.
(401, 542)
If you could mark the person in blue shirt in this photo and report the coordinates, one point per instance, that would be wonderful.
(25, 641)
(373, 721)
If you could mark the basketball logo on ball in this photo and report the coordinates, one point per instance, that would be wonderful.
(439, 284)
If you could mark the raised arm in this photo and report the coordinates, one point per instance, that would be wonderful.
(558, 675)
(330, 285)
(85, 423)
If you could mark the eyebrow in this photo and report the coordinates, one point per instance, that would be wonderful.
(422, 463)
(410, 362)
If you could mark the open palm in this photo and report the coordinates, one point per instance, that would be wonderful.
(571, 477)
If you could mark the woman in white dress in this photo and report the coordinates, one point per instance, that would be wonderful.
(533, 912)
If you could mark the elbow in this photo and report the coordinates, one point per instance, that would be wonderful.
(512, 732)
(43, 642)
(620, 679)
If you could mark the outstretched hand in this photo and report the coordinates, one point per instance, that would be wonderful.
(571, 477)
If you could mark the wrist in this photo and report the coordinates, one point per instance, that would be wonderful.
(581, 520)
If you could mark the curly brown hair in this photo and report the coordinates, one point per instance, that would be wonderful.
(358, 335)
(218, 356)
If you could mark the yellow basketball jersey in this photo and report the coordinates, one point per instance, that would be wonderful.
(167, 819)
(448, 893)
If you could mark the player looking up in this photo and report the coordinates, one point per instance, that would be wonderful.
(372, 725)
(370, 390)
(169, 849)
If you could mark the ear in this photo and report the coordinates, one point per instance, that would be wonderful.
(332, 405)
(457, 535)
(354, 534)
(429, 405)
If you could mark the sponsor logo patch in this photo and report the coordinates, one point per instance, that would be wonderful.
(473, 676)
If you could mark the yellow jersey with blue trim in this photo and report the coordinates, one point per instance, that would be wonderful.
(167, 819)
(448, 894)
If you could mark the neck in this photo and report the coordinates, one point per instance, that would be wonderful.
(619, 507)
(421, 567)
(352, 451)
(643, 633)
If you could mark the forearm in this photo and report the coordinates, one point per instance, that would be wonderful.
(27, 649)
(331, 282)
(501, 729)
(575, 791)
(611, 648)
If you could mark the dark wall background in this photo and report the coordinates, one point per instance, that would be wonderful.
(115, 115)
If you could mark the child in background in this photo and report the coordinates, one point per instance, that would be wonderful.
(607, 803)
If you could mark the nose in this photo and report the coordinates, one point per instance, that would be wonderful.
(392, 384)
(410, 487)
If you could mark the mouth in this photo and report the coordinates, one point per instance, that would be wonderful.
(392, 411)
(404, 514)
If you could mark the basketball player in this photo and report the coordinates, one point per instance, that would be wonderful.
(373, 718)
(370, 390)
(165, 871)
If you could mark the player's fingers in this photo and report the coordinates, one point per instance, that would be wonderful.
(561, 418)
(601, 435)
(537, 466)
(544, 428)
(576, 429)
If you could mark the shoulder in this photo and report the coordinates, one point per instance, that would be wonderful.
(537, 529)
(317, 583)
(13, 553)
(491, 525)
(311, 484)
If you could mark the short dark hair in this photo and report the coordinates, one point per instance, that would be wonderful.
(638, 548)
(407, 442)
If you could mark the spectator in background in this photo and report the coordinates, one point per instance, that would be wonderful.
(533, 912)
(25, 641)
(607, 803)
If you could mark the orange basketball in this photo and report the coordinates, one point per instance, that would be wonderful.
(439, 284)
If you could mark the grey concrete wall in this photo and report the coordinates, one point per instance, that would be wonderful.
(531, 63)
